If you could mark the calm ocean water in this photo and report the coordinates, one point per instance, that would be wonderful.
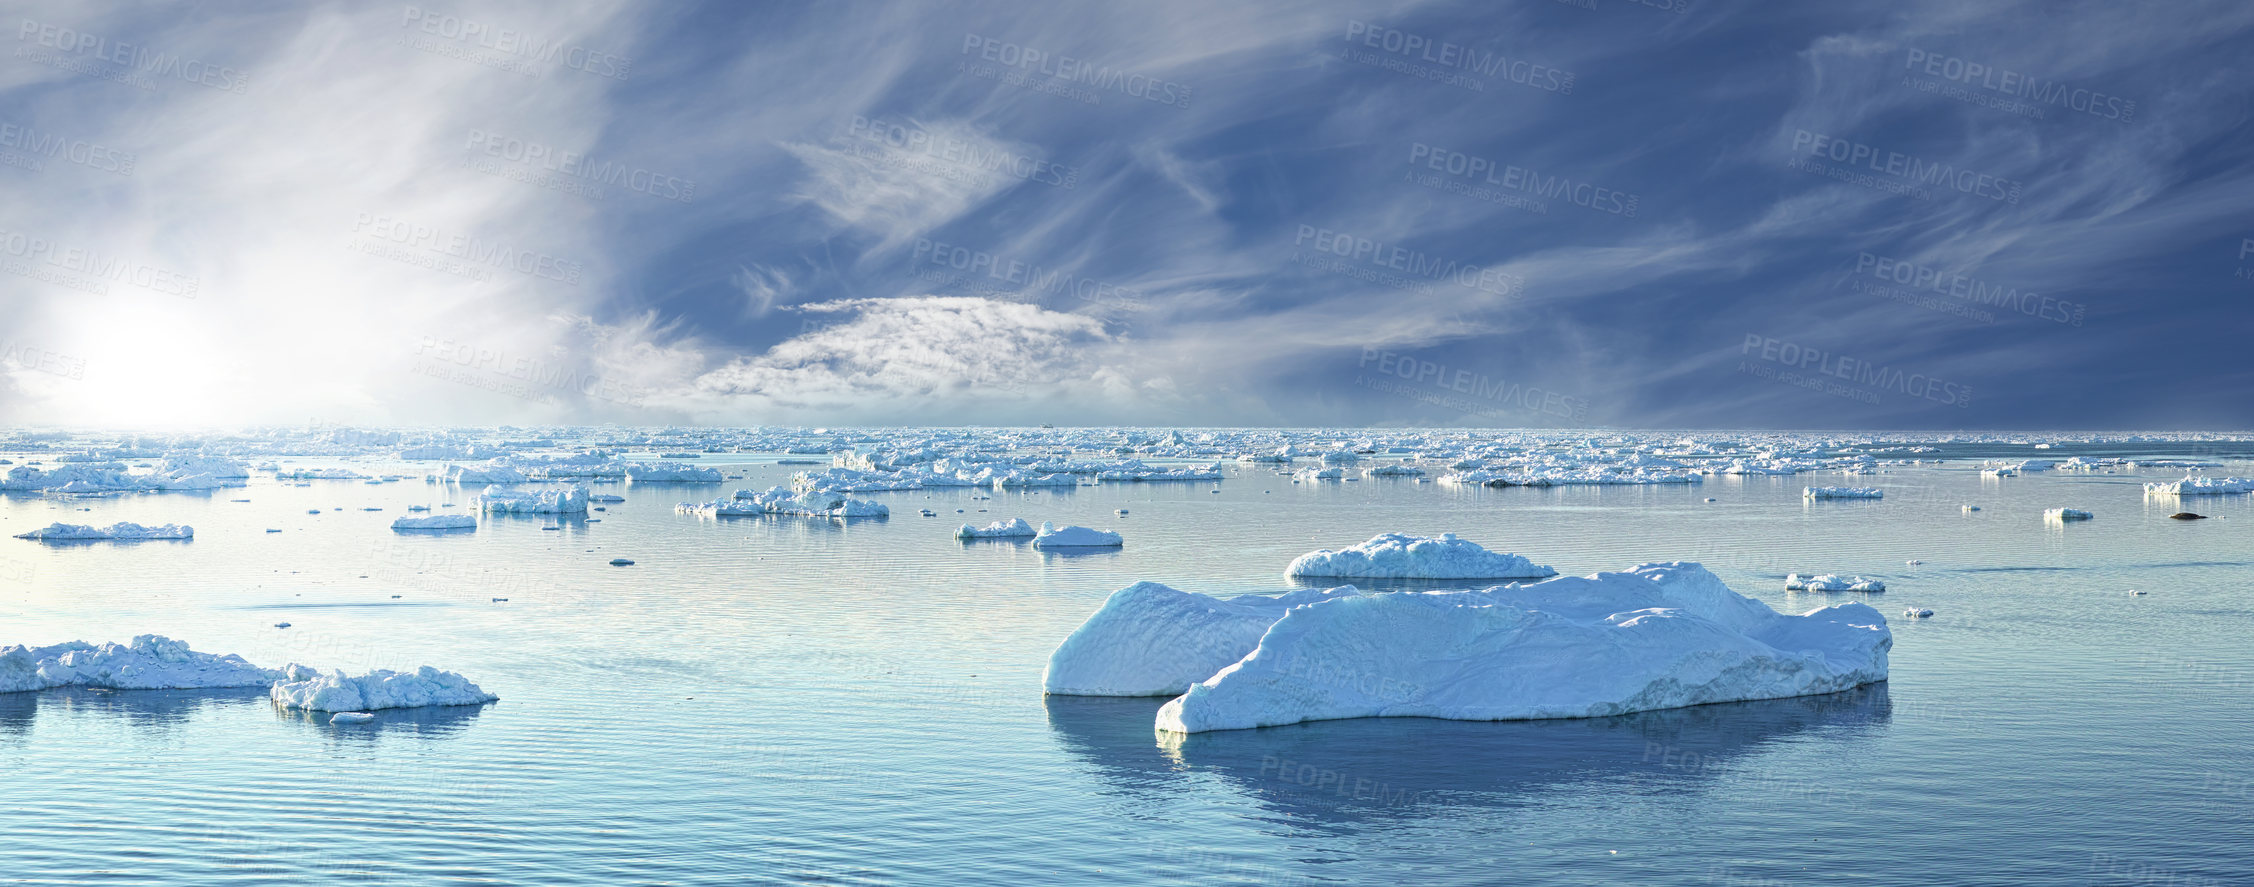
(803, 701)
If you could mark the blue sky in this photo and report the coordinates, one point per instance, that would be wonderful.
(1708, 214)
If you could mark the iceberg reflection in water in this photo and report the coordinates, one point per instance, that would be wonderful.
(1377, 767)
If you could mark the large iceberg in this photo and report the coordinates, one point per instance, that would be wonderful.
(150, 662)
(1658, 636)
(306, 688)
(1402, 556)
(122, 531)
(1152, 640)
(499, 499)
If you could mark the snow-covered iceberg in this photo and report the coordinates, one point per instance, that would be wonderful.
(1830, 582)
(499, 499)
(436, 522)
(333, 690)
(1152, 640)
(149, 662)
(1842, 493)
(2202, 486)
(1658, 636)
(1402, 556)
(122, 531)
(1053, 536)
(1014, 528)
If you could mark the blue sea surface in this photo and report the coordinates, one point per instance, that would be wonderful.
(789, 700)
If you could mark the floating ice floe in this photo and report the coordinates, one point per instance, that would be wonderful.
(351, 717)
(1657, 636)
(505, 500)
(436, 522)
(671, 473)
(1319, 474)
(318, 474)
(1395, 471)
(1013, 528)
(1971, 508)
(606, 498)
(1917, 613)
(1402, 556)
(621, 562)
(782, 500)
(1053, 536)
(312, 690)
(122, 531)
(471, 475)
(1842, 493)
(1829, 582)
(2202, 486)
(149, 662)
(2066, 514)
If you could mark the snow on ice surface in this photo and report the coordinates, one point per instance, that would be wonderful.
(1842, 493)
(436, 522)
(2203, 486)
(499, 499)
(1402, 556)
(149, 662)
(122, 531)
(1053, 536)
(1013, 528)
(1151, 640)
(1658, 636)
(335, 691)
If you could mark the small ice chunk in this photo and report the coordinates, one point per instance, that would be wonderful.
(1842, 493)
(2066, 514)
(313, 690)
(1013, 528)
(1917, 613)
(621, 562)
(1053, 536)
(351, 717)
